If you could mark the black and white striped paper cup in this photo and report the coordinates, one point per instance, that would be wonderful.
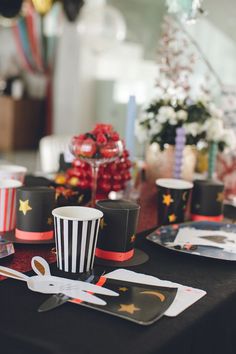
(76, 231)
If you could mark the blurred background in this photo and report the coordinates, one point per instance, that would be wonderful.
(65, 65)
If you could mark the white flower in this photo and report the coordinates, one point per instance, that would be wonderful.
(182, 115)
(161, 118)
(167, 113)
(150, 115)
(214, 111)
(215, 130)
(192, 128)
(141, 132)
(229, 138)
(156, 127)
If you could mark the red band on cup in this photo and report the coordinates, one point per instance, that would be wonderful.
(196, 217)
(114, 256)
(34, 236)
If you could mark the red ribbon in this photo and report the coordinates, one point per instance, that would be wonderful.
(196, 217)
(114, 256)
(34, 236)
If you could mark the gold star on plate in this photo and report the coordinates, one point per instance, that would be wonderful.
(102, 224)
(128, 308)
(123, 289)
(133, 238)
(167, 200)
(24, 206)
(220, 197)
(172, 217)
(50, 221)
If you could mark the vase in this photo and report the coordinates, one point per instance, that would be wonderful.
(160, 164)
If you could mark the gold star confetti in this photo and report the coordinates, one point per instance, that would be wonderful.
(128, 308)
(220, 197)
(172, 218)
(50, 221)
(167, 200)
(133, 238)
(102, 224)
(123, 289)
(24, 206)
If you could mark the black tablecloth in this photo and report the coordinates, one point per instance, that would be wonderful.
(208, 327)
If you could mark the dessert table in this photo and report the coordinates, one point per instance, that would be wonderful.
(207, 327)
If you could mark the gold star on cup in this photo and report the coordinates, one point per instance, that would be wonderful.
(132, 239)
(123, 289)
(172, 217)
(50, 221)
(184, 197)
(167, 200)
(128, 308)
(102, 224)
(24, 206)
(220, 197)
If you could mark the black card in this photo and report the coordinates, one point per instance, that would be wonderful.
(140, 303)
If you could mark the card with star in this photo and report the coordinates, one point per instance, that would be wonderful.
(140, 303)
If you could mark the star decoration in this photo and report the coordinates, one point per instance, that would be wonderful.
(133, 238)
(184, 197)
(167, 200)
(128, 308)
(50, 221)
(172, 217)
(123, 289)
(102, 224)
(24, 206)
(80, 199)
(220, 197)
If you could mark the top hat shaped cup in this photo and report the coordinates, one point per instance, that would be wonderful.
(207, 200)
(117, 231)
(172, 199)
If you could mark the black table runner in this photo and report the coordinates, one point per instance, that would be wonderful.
(207, 327)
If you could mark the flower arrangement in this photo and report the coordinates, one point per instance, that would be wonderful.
(201, 120)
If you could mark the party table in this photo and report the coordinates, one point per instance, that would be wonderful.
(207, 327)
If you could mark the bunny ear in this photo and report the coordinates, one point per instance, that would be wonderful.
(40, 266)
(11, 273)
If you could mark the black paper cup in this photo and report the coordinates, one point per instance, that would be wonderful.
(116, 237)
(172, 199)
(207, 201)
(34, 207)
(76, 230)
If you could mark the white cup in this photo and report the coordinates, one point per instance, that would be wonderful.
(8, 204)
(76, 231)
(13, 172)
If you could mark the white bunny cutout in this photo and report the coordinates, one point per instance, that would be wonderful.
(46, 283)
